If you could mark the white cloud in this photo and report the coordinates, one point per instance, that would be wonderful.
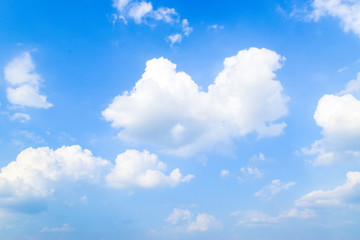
(244, 98)
(346, 195)
(38, 173)
(203, 221)
(339, 117)
(345, 10)
(134, 168)
(257, 218)
(168, 15)
(35, 170)
(143, 12)
(22, 117)
(224, 173)
(175, 38)
(179, 215)
(24, 81)
(139, 10)
(120, 4)
(186, 28)
(250, 172)
(274, 188)
(63, 228)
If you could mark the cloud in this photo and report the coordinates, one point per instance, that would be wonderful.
(175, 38)
(26, 183)
(272, 189)
(346, 195)
(257, 218)
(24, 81)
(142, 169)
(345, 10)
(216, 27)
(203, 221)
(34, 170)
(142, 12)
(167, 109)
(224, 173)
(179, 215)
(139, 10)
(339, 117)
(250, 172)
(21, 117)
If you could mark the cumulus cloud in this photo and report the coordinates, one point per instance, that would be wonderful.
(38, 173)
(346, 195)
(250, 172)
(257, 218)
(275, 187)
(139, 10)
(203, 221)
(175, 38)
(339, 117)
(142, 169)
(347, 11)
(167, 109)
(24, 81)
(35, 170)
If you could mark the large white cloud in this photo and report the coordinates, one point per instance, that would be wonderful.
(346, 195)
(134, 168)
(348, 11)
(38, 173)
(339, 117)
(167, 109)
(24, 81)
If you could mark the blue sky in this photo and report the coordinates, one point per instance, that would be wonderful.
(130, 119)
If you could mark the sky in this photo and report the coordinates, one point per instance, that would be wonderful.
(132, 119)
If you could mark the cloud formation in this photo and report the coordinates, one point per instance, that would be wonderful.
(346, 195)
(346, 11)
(134, 168)
(203, 221)
(142, 12)
(167, 109)
(24, 83)
(339, 117)
(38, 173)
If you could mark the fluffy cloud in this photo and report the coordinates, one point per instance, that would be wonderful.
(142, 169)
(35, 170)
(347, 11)
(346, 195)
(37, 173)
(24, 81)
(167, 109)
(257, 218)
(203, 221)
(274, 188)
(339, 117)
